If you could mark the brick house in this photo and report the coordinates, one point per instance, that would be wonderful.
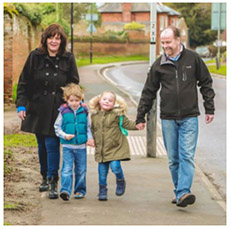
(115, 15)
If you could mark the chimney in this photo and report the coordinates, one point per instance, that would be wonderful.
(126, 12)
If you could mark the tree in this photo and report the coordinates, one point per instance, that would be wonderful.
(198, 20)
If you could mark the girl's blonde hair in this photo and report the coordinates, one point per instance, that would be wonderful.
(72, 89)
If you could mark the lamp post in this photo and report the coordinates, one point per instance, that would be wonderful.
(72, 27)
(91, 28)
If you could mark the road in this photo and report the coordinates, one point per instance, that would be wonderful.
(211, 149)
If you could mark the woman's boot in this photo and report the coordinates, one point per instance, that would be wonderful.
(44, 185)
(53, 183)
(102, 192)
(121, 185)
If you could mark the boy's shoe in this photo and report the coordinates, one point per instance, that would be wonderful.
(185, 200)
(120, 188)
(65, 196)
(79, 195)
(102, 192)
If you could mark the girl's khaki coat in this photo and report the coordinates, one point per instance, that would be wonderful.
(110, 143)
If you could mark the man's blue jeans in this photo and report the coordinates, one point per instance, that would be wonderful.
(49, 155)
(103, 171)
(71, 158)
(180, 139)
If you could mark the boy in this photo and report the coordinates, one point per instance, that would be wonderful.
(73, 128)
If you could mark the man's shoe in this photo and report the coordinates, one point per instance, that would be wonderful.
(64, 195)
(173, 201)
(186, 199)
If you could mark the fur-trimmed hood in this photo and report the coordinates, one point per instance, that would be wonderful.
(120, 106)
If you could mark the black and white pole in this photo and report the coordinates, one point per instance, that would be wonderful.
(152, 114)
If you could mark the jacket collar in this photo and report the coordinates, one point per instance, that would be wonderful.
(165, 59)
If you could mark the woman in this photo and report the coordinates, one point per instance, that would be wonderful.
(39, 95)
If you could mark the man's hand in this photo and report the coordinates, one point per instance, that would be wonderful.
(91, 143)
(208, 118)
(69, 136)
(140, 126)
(22, 115)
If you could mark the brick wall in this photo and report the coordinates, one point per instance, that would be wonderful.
(118, 49)
(20, 37)
(107, 17)
(8, 59)
(126, 11)
(141, 17)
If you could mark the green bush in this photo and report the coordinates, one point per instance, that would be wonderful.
(32, 13)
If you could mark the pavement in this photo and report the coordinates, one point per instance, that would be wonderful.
(147, 200)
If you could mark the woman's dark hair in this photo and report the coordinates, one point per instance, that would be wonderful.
(51, 31)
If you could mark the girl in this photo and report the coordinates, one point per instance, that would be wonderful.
(111, 145)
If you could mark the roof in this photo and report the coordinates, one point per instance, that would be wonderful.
(136, 7)
(110, 8)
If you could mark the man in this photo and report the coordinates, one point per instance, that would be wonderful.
(177, 72)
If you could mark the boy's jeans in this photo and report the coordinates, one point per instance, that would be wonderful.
(180, 139)
(49, 155)
(103, 171)
(77, 157)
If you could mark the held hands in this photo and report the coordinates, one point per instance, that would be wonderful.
(91, 143)
(69, 136)
(140, 126)
(208, 118)
(22, 115)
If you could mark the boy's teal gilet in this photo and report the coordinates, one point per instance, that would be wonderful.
(74, 124)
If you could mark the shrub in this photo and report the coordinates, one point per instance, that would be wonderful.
(134, 26)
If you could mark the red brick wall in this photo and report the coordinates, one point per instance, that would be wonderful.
(108, 17)
(126, 11)
(141, 16)
(112, 49)
(20, 37)
(8, 60)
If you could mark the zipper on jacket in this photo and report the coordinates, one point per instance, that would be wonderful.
(102, 136)
(177, 91)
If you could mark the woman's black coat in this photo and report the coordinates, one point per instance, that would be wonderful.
(39, 89)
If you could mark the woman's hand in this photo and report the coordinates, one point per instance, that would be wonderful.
(22, 115)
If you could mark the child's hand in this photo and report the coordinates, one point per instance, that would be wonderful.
(91, 143)
(140, 126)
(69, 136)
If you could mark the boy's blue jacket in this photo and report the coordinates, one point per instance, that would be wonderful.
(74, 123)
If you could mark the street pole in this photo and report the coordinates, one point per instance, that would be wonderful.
(91, 28)
(72, 27)
(218, 36)
(152, 114)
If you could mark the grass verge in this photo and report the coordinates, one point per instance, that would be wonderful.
(109, 59)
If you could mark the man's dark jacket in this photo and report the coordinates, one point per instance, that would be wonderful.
(178, 81)
(39, 89)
